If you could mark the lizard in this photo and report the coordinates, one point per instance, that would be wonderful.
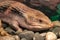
(17, 14)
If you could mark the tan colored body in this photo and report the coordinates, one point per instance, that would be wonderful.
(32, 19)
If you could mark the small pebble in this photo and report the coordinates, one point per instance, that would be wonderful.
(10, 31)
(37, 36)
(23, 39)
(51, 36)
(57, 23)
(58, 39)
(25, 30)
(43, 34)
(27, 34)
(9, 38)
(56, 30)
(16, 37)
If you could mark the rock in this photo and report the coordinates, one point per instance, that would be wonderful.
(2, 31)
(9, 38)
(25, 30)
(16, 37)
(56, 30)
(51, 36)
(27, 34)
(23, 39)
(35, 2)
(49, 3)
(58, 39)
(37, 36)
(59, 34)
(43, 34)
(10, 31)
(57, 23)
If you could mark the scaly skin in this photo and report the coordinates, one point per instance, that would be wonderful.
(25, 17)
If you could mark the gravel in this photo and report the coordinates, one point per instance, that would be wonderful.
(37, 36)
(9, 38)
(51, 36)
(27, 34)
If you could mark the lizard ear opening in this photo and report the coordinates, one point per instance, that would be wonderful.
(3, 8)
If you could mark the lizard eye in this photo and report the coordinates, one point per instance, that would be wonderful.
(40, 21)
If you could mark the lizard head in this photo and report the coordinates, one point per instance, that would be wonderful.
(38, 20)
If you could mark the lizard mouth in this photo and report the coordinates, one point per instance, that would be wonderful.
(44, 25)
(40, 27)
